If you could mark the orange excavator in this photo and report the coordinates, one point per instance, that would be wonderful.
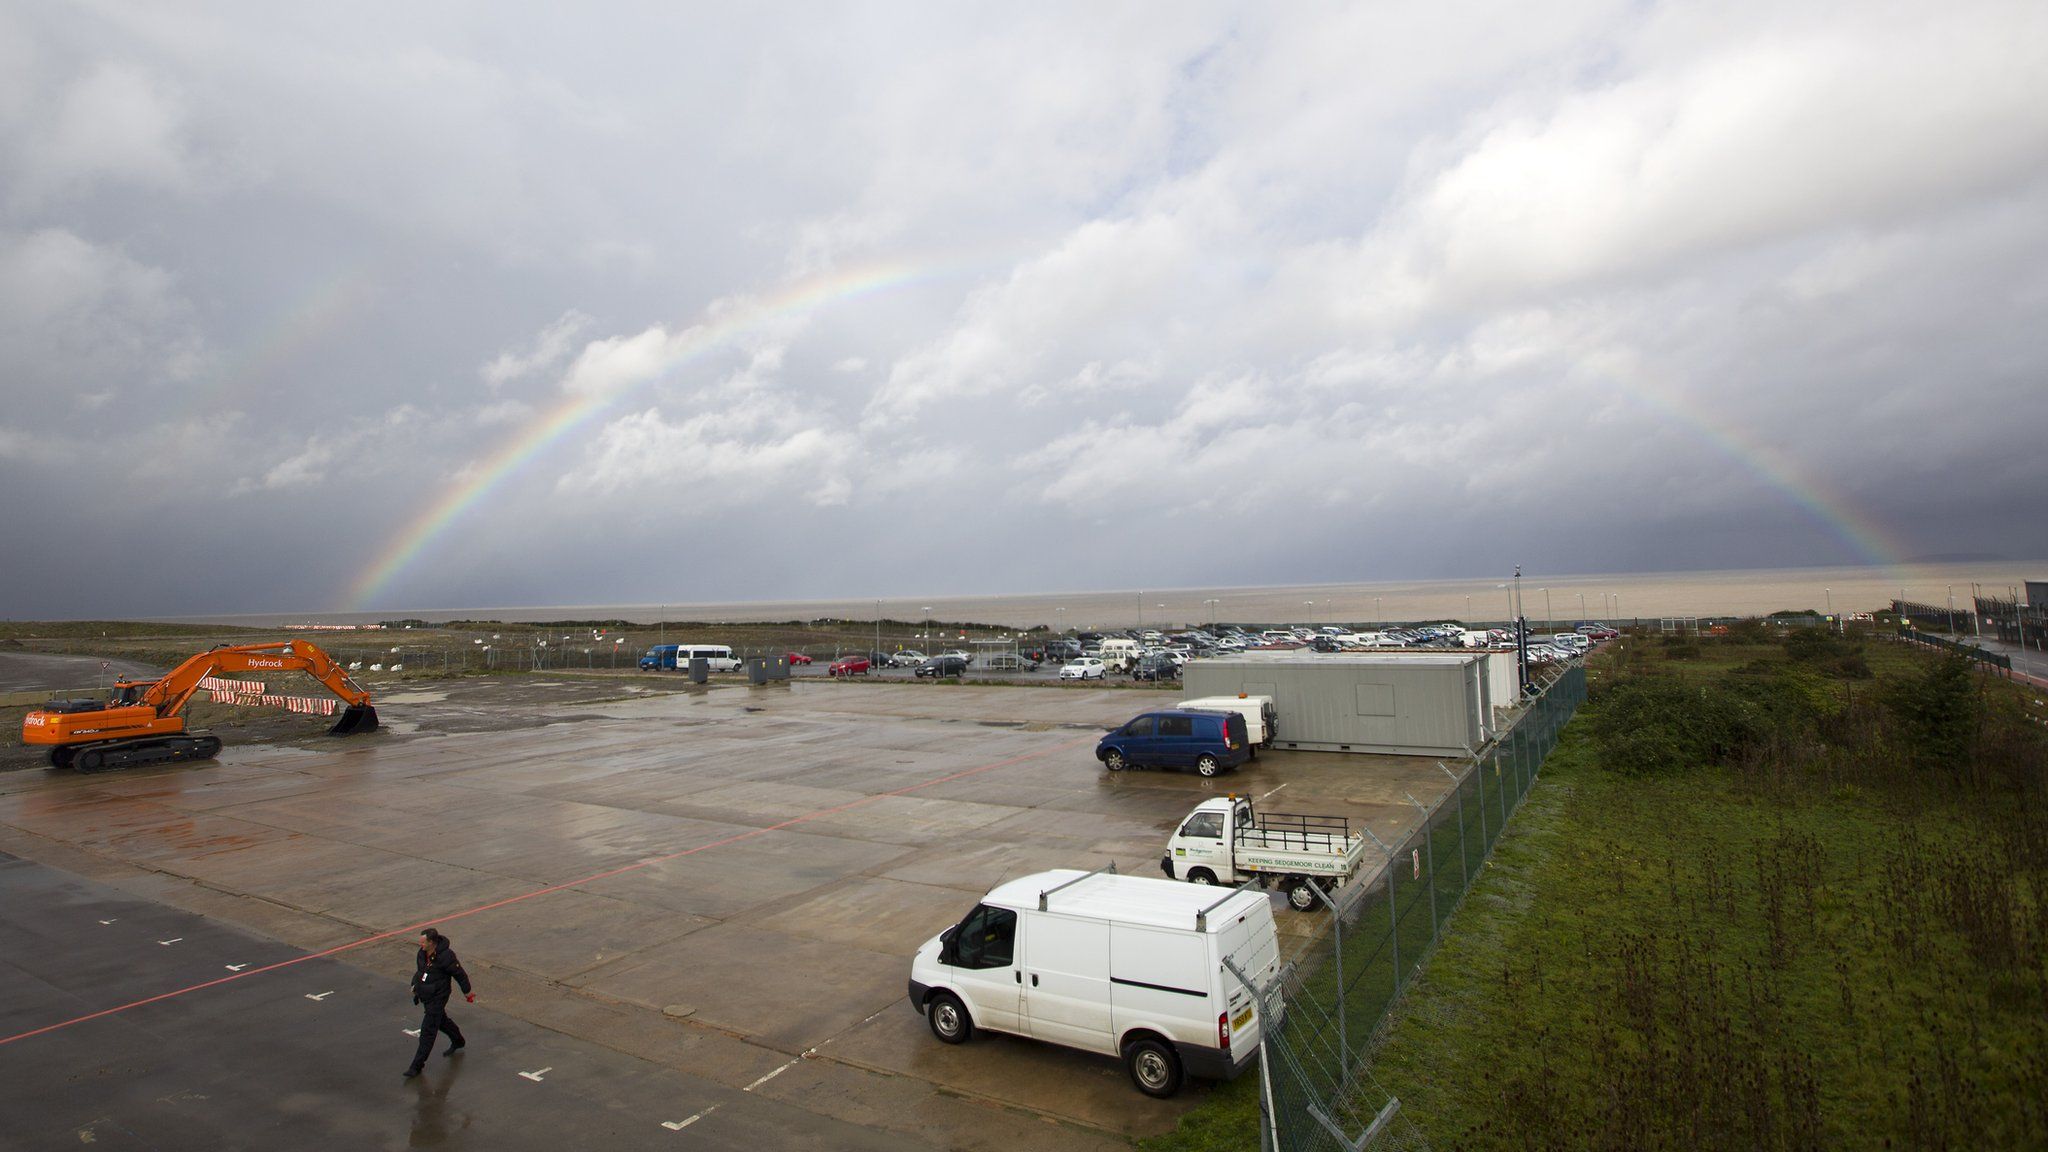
(143, 721)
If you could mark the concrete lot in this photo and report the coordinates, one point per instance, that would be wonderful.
(702, 887)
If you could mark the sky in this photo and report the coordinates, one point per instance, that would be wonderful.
(385, 307)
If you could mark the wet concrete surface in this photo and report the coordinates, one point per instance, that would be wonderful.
(765, 858)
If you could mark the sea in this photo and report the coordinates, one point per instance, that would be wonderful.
(1614, 598)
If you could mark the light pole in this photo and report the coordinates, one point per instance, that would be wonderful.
(878, 627)
(1380, 617)
(1521, 630)
(1549, 621)
(1582, 605)
(1141, 609)
(1951, 610)
(1976, 612)
(1213, 603)
(1468, 609)
(1059, 619)
(927, 626)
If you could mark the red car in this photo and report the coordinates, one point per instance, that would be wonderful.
(849, 666)
(796, 658)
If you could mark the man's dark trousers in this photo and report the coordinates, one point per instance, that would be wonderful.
(433, 1023)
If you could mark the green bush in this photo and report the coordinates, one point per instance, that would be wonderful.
(1938, 714)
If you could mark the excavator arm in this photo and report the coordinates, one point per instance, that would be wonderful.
(170, 694)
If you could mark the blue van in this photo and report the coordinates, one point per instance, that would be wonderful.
(1208, 742)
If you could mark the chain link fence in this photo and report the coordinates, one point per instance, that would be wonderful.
(1316, 1092)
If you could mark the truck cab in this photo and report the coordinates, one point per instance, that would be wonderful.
(1200, 850)
(1223, 841)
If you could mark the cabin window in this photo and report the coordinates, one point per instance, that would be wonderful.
(988, 939)
(1207, 825)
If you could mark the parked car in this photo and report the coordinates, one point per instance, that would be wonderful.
(1156, 666)
(850, 666)
(1006, 662)
(908, 658)
(939, 666)
(796, 658)
(1208, 742)
(1084, 668)
(1062, 649)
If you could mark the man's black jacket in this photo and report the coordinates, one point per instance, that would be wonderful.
(430, 978)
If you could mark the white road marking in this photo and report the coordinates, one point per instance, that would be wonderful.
(535, 1076)
(234, 967)
(679, 1125)
(1272, 790)
(771, 1075)
(109, 921)
(412, 1032)
(172, 940)
(322, 996)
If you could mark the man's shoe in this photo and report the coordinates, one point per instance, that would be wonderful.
(411, 1072)
(454, 1048)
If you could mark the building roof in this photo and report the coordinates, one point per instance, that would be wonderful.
(1382, 659)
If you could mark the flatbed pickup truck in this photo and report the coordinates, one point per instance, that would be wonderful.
(1223, 841)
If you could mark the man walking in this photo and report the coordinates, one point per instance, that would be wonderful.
(434, 969)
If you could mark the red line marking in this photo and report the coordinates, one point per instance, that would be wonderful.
(634, 867)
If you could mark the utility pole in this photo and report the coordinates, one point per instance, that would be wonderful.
(1521, 631)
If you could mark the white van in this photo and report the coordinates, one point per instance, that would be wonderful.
(1127, 966)
(1261, 718)
(1119, 653)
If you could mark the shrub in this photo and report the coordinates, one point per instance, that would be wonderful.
(1938, 714)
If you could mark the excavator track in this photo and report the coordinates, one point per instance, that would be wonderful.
(132, 753)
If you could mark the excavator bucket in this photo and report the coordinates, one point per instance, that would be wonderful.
(355, 718)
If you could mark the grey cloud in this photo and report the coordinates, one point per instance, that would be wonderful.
(1246, 296)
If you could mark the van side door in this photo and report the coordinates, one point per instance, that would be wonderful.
(1178, 744)
(1066, 982)
(982, 960)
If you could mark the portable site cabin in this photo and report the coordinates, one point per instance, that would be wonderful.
(1414, 704)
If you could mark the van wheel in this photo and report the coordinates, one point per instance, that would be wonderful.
(1155, 1069)
(1208, 766)
(1201, 876)
(1114, 761)
(1301, 895)
(949, 1020)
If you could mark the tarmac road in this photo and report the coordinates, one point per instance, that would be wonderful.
(307, 1056)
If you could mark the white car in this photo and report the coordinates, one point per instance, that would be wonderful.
(1086, 668)
(908, 658)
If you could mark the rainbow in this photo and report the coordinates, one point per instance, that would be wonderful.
(1871, 542)
(321, 311)
(474, 484)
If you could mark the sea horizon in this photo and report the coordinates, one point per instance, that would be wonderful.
(1609, 597)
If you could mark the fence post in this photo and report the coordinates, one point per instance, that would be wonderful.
(1458, 790)
(1394, 925)
(1500, 792)
(1429, 850)
(1479, 775)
